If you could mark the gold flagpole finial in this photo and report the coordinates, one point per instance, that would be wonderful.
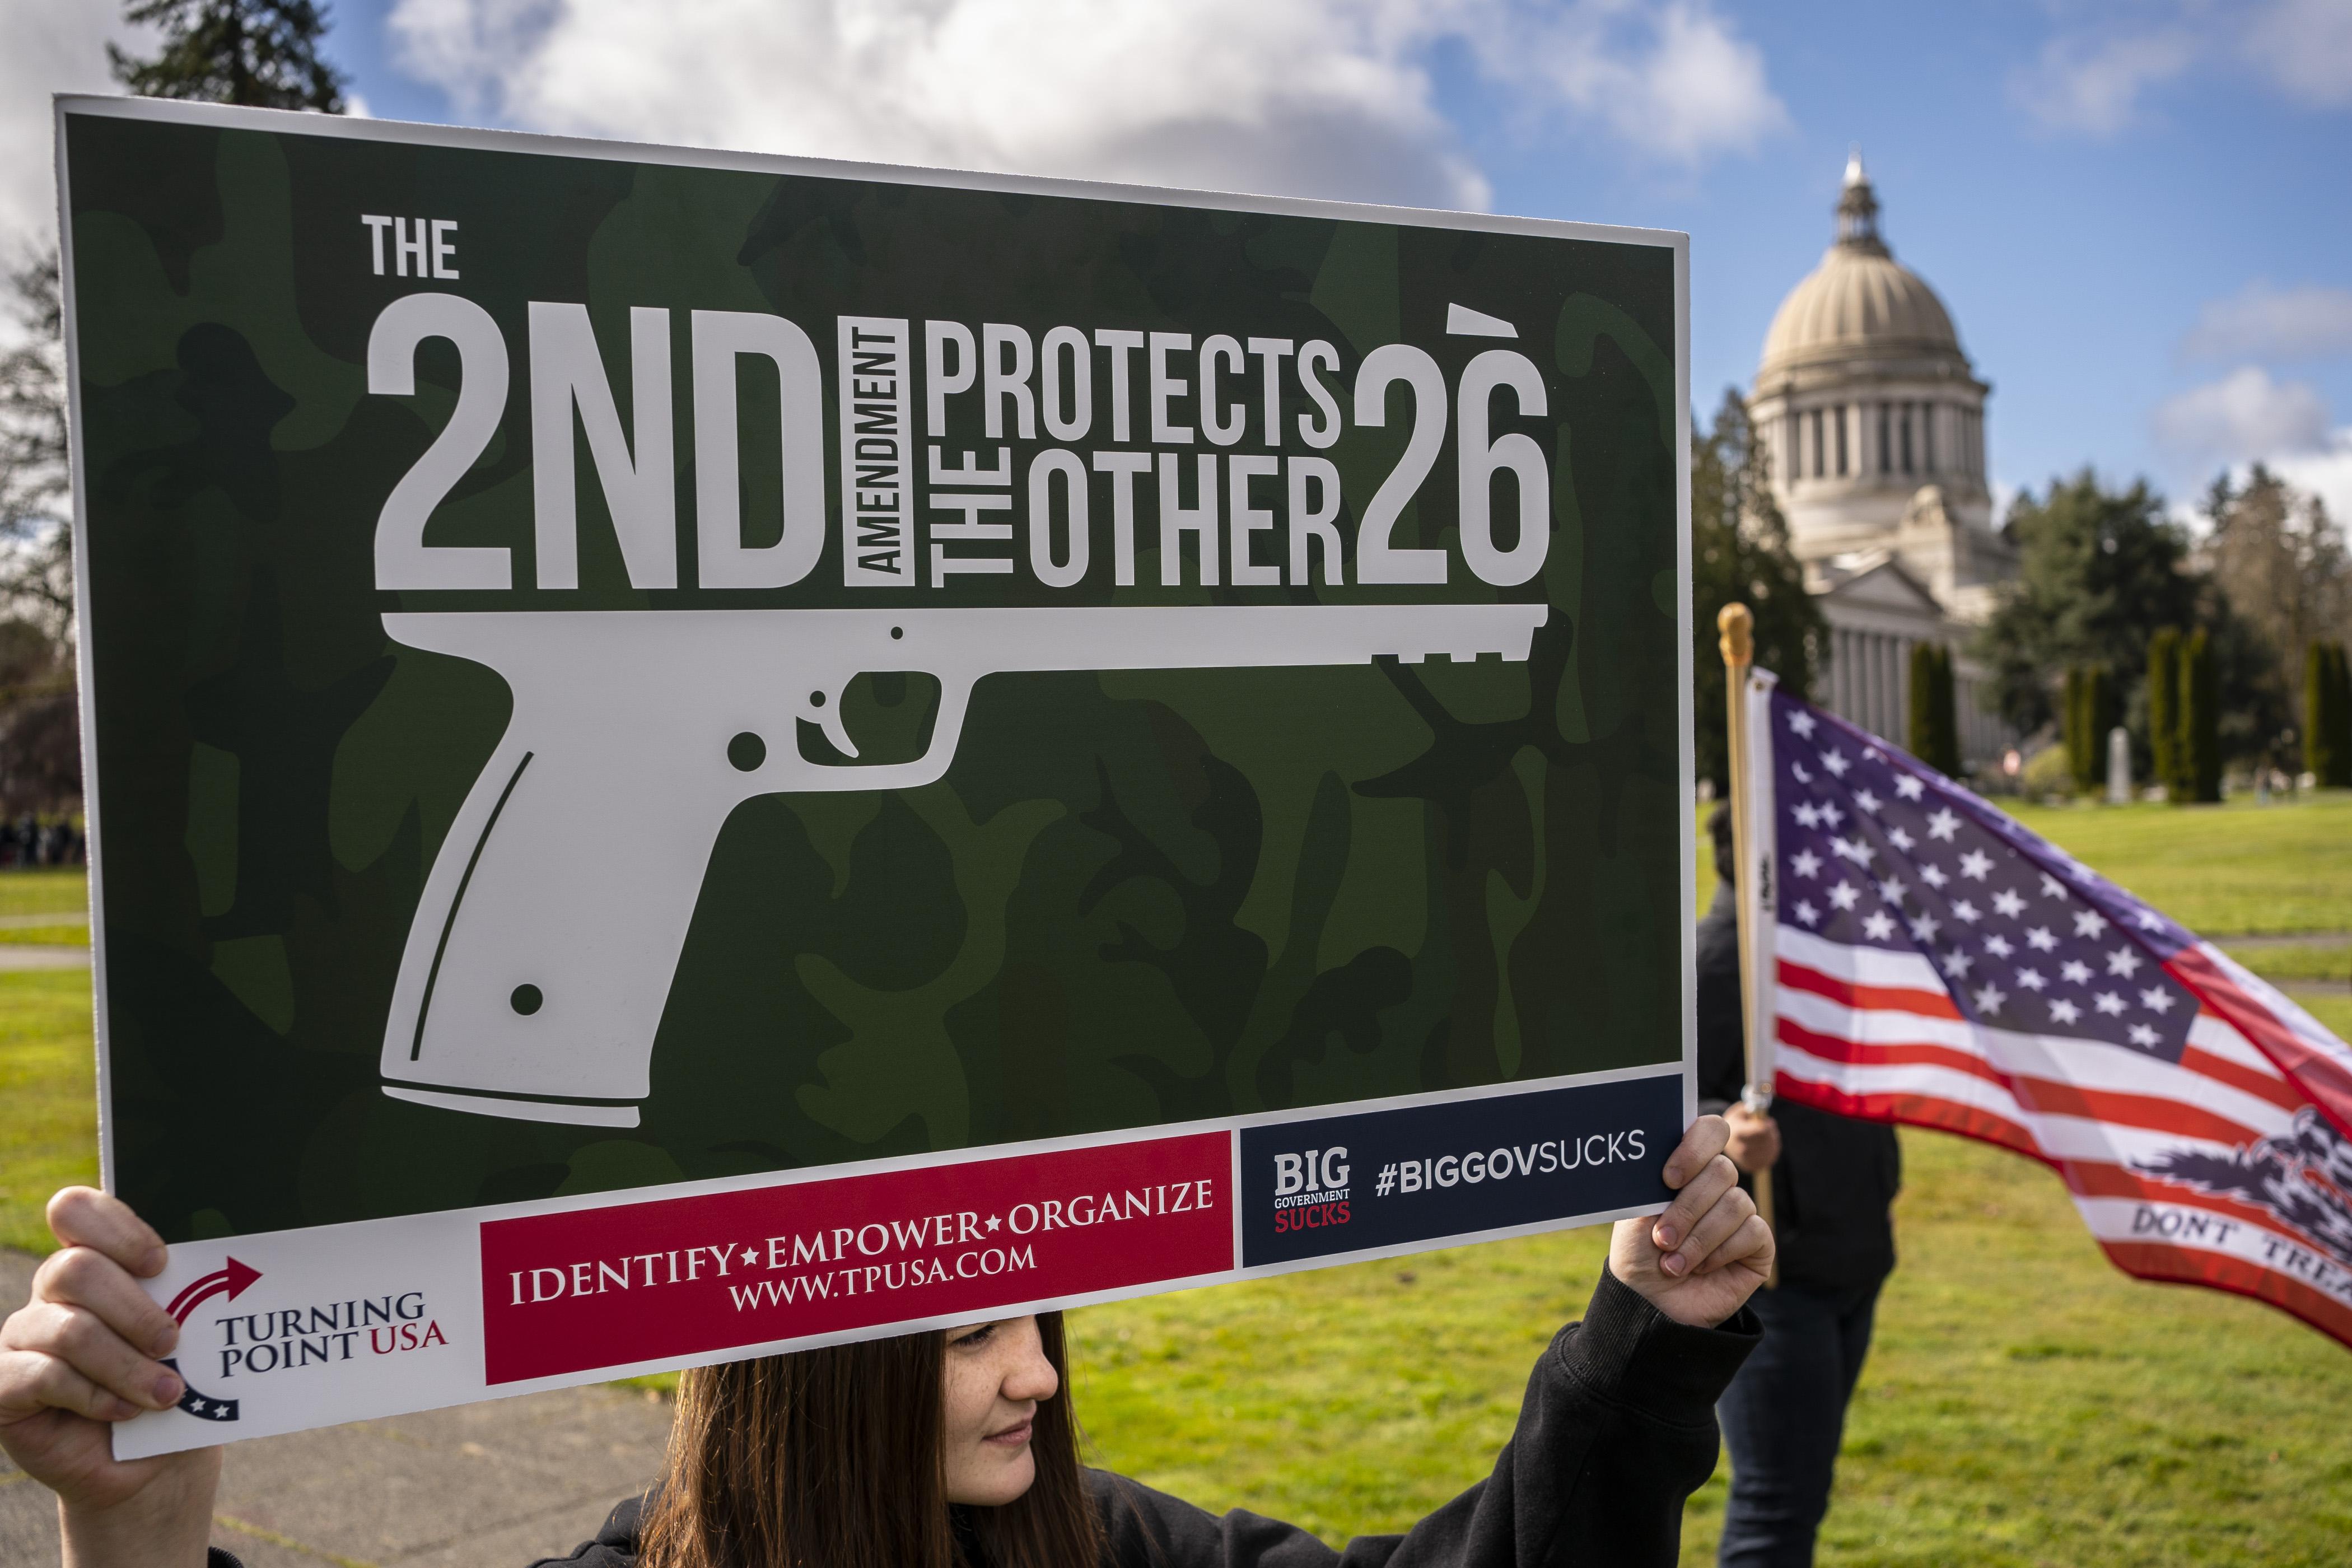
(1738, 629)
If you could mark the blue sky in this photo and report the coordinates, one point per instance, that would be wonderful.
(2136, 211)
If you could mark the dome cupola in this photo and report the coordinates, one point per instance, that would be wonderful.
(1860, 301)
(1865, 404)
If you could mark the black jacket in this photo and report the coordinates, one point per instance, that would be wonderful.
(1836, 1175)
(1618, 1427)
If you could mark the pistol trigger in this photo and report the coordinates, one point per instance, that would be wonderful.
(829, 720)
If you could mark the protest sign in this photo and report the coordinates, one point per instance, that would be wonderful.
(692, 753)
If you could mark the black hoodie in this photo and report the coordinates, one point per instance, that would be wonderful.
(1617, 1429)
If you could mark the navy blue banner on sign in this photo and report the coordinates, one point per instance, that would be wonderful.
(1387, 1178)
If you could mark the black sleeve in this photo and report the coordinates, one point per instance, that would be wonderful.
(615, 1545)
(1617, 1429)
(1722, 1034)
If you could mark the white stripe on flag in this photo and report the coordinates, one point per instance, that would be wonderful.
(2058, 1137)
(2085, 1063)
(1862, 965)
(2198, 1230)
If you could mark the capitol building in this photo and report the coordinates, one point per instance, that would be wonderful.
(1873, 421)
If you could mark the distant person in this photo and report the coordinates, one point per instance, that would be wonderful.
(1833, 1179)
(941, 1449)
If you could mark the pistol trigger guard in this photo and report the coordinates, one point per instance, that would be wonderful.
(829, 720)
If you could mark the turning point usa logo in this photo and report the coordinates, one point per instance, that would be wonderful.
(286, 1339)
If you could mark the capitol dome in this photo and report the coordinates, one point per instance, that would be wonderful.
(1860, 301)
(1871, 422)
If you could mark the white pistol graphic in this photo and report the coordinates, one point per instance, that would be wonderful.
(550, 929)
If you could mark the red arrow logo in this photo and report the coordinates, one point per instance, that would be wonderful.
(233, 1280)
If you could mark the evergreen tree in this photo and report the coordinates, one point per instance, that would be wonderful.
(2341, 715)
(2318, 713)
(1934, 721)
(2201, 733)
(2093, 707)
(2074, 726)
(262, 53)
(2327, 716)
(2096, 568)
(2164, 705)
(1739, 551)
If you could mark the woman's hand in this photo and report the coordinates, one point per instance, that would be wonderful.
(80, 1355)
(1702, 1257)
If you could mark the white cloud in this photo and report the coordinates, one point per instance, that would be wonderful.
(2244, 415)
(2262, 323)
(58, 46)
(2095, 85)
(2326, 473)
(2093, 80)
(1313, 97)
(2305, 46)
(1678, 85)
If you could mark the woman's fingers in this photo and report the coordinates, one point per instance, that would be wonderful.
(31, 1383)
(84, 1216)
(1708, 1137)
(1698, 1195)
(1715, 1227)
(84, 1277)
(77, 1337)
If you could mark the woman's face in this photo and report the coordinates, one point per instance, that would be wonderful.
(996, 1375)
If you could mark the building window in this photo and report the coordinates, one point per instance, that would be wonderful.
(1818, 468)
(1886, 461)
(1793, 444)
(1838, 415)
(1907, 438)
(1927, 430)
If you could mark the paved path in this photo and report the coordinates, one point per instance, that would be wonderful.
(2287, 939)
(484, 1485)
(28, 955)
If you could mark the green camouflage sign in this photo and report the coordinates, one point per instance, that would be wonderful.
(610, 669)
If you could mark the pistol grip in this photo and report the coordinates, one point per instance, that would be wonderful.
(541, 955)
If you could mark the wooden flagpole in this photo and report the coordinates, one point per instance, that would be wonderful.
(1737, 628)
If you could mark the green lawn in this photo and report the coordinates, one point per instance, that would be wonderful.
(49, 891)
(48, 1088)
(74, 935)
(2221, 871)
(2026, 1404)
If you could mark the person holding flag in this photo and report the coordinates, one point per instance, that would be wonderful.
(1914, 954)
(1832, 1179)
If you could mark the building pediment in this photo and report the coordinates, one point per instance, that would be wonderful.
(1874, 580)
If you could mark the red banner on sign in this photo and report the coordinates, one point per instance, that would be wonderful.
(683, 1277)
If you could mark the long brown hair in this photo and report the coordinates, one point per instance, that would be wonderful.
(830, 1458)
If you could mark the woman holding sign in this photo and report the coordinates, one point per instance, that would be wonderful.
(945, 1449)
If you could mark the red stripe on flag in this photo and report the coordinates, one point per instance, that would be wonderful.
(2319, 1076)
(2178, 1264)
(1838, 1048)
(2150, 1113)
(1916, 1110)
(2244, 1078)
(1889, 998)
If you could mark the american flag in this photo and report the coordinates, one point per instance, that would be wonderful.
(1934, 962)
